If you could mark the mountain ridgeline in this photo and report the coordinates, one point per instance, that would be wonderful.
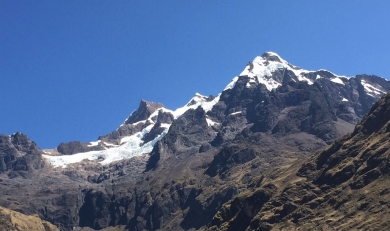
(279, 148)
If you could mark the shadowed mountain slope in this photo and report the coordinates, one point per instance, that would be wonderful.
(343, 187)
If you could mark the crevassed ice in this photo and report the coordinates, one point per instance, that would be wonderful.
(132, 146)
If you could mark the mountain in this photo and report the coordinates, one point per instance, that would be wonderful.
(182, 169)
(343, 187)
(270, 95)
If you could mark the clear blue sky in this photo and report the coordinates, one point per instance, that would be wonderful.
(74, 70)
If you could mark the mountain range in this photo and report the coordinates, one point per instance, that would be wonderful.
(279, 148)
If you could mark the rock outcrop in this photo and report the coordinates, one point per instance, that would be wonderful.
(19, 154)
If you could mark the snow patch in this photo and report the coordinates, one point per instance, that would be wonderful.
(139, 122)
(200, 101)
(211, 122)
(269, 83)
(164, 125)
(94, 143)
(337, 80)
(109, 144)
(235, 113)
(344, 100)
(231, 84)
(370, 89)
(340, 76)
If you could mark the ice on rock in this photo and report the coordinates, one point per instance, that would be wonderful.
(231, 84)
(195, 102)
(337, 80)
(372, 90)
(131, 146)
(260, 70)
(235, 113)
(94, 143)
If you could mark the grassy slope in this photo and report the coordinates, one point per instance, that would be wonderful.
(15, 221)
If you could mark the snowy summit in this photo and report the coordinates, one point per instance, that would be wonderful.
(151, 121)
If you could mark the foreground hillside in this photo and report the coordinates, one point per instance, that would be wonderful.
(14, 221)
(344, 187)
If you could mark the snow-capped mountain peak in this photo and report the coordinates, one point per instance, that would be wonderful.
(150, 118)
(261, 70)
(152, 121)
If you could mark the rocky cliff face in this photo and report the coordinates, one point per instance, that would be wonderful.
(343, 187)
(137, 121)
(19, 154)
(221, 162)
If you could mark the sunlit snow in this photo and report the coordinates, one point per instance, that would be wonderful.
(132, 146)
(211, 122)
(370, 89)
(94, 143)
(231, 84)
(260, 70)
(200, 101)
(235, 113)
(337, 80)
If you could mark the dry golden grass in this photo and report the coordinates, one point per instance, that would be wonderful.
(15, 221)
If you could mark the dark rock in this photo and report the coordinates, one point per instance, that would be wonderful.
(77, 147)
(19, 153)
(154, 132)
(143, 112)
(184, 138)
